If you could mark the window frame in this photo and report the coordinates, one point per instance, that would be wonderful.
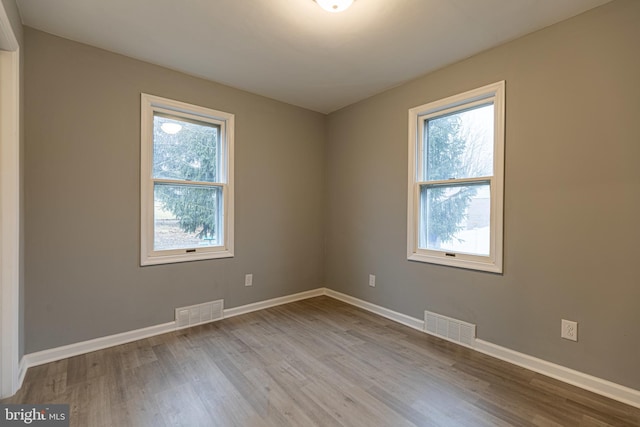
(149, 105)
(492, 93)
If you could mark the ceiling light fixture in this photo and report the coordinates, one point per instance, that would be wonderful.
(334, 5)
(171, 128)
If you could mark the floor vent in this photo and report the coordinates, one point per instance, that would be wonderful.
(450, 329)
(199, 313)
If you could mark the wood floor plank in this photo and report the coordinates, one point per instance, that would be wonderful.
(316, 362)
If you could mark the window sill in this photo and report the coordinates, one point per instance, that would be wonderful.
(470, 264)
(173, 258)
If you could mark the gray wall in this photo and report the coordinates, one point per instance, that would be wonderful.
(82, 162)
(572, 202)
(13, 14)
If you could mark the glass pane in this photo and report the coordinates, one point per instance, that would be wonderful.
(185, 150)
(456, 218)
(459, 145)
(187, 216)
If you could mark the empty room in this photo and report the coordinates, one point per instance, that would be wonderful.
(319, 213)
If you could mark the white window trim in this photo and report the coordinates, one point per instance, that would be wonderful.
(494, 262)
(149, 105)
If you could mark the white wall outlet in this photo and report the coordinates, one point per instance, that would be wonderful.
(372, 280)
(569, 330)
(248, 279)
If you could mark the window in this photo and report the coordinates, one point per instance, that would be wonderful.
(456, 170)
(186, 182)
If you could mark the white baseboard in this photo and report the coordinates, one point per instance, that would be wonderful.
(588, 382)
(59, 353)
(597, 385)
(261, 305)
(409, 321)
(63, 352)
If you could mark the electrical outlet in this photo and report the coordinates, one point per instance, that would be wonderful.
(569, 330)
(248, 279)
(372, 280)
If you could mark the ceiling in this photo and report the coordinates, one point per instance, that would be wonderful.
(292, 50)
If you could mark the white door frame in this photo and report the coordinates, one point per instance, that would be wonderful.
(9, 206)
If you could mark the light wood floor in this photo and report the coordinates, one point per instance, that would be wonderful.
(313, 362)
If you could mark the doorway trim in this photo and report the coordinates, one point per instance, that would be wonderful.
(9, 207)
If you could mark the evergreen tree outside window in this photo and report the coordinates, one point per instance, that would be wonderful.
(456, 169)
(186, 182)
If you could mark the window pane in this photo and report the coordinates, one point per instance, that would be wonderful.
(459, 145)
(187, 216)
(456, 218)
(185, 150)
